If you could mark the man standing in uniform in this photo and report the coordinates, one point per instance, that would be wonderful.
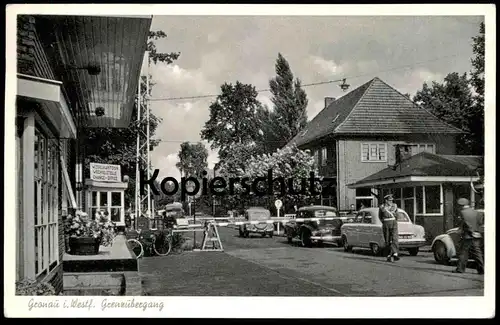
(387, 213)
(471, 238)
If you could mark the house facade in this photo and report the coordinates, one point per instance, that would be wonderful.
(363, 132)
(73, 73)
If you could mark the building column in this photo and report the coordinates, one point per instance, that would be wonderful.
(449, 207)
(28, 199)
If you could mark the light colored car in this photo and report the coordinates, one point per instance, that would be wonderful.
(445, 246)
(366, 232)
(257, 214)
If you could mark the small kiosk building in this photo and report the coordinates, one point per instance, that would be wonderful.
(105, 191)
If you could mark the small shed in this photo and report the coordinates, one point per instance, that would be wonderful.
(105, 191)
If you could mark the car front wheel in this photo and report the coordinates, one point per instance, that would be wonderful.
(376, 251)
(413, 251)
(345, 243)
(440, 253)
(305, 238)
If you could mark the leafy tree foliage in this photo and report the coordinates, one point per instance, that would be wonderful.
(477, 74)
(290, 163)
(232, 118)
(192, 159)
(477, 81)
(289, 115)
(454, 101)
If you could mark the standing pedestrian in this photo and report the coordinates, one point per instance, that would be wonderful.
(470, 238)
(387, 213)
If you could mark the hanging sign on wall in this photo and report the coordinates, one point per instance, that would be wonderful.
(105, 172)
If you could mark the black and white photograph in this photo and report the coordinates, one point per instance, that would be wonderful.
(250, 161)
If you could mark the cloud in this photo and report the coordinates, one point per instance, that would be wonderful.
(166, 167)
(326, 67)
(415, 79)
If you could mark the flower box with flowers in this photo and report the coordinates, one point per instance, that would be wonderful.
(85, 235)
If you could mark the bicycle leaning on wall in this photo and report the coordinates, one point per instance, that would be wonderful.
(152, 242)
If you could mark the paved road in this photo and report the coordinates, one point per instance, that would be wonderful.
(259, 266)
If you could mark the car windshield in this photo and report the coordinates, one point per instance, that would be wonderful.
(324, 213)
(258, 215)
(402, 216)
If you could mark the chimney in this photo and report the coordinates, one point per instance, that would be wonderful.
(328, 101)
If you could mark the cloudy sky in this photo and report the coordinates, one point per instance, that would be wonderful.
(403, 51)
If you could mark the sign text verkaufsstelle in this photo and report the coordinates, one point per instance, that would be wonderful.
(105, 172)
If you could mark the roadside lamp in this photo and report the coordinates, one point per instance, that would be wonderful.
(344, 86)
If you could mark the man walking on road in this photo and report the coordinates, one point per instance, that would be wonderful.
(471, 238)
(387, 213)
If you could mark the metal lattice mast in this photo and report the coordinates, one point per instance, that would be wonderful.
(143, 202)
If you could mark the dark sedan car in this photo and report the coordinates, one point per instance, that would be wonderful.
(310, 225)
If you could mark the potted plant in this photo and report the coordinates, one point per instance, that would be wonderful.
(85, 235)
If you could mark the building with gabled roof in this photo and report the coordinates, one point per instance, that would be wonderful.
(356, 136)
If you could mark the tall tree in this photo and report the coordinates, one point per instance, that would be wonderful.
(192, 159)
(477, 81)
(453, 102)
(289, 115)
(118, 146)
(232, 118)
(477, 73)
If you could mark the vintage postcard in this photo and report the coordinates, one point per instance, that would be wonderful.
(250, 161)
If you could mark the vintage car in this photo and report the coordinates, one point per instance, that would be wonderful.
(366, 232)
(172, 212)
(445, 246)
(315, 230)
(257, 214)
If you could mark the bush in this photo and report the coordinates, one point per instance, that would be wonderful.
(33, 288)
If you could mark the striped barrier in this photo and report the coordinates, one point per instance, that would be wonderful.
(259, 222)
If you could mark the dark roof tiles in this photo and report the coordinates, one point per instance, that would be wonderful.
(427, 164)
(373, 108)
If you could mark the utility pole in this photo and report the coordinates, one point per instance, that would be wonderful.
(213, 200)
(143, 140)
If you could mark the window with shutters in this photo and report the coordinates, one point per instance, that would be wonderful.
(374, 152)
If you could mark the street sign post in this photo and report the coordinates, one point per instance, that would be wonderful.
(278, 204)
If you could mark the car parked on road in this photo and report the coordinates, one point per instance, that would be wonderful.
(366, 232)
(257, 214)
(311, 230)
(445, 246)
